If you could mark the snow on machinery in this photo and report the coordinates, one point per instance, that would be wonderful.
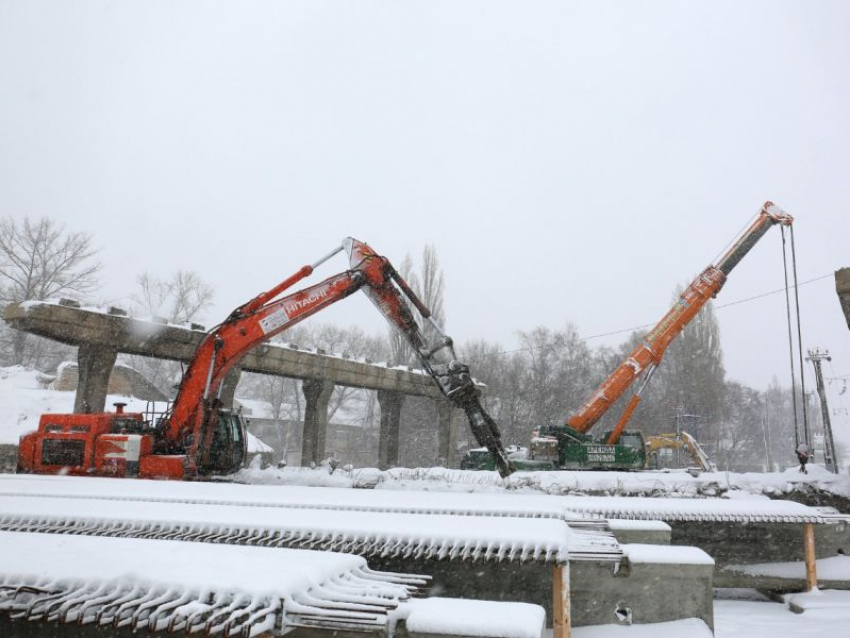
(680, 441)
(197, 436)
(569, 446)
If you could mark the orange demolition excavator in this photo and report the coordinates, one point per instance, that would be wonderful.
(569, 446)
(198, 437)
(644, 359)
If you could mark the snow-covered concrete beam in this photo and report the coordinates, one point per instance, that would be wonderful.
(130, 335)
(842, 287)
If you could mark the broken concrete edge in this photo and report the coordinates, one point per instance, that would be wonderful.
(842, 287)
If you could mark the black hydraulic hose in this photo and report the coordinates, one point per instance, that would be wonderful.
(800, 342)
(790, 342)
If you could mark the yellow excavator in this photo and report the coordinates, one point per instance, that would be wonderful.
(674, 441)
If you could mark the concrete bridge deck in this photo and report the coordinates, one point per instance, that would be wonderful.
(102, 333)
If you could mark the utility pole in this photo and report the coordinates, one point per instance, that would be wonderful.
(816, 356)
(765, 430)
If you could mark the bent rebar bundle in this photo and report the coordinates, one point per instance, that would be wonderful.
(324, 591)
(370, 534)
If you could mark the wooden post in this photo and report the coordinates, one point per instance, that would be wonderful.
(809, 554)
(561, 601)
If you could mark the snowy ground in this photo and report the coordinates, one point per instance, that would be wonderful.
(747, 614)
(759, 617)
(737, 614)
(23, 397)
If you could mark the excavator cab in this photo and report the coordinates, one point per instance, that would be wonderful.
(228, 448)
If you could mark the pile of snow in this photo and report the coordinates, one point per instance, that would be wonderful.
(666, 554)
(457, 617)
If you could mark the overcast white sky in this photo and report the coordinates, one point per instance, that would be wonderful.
(569, 161)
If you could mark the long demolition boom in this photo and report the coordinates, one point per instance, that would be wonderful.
(189, 426)
(644, 359)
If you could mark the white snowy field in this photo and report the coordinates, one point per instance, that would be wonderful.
(747, 614)
(761, 618)
(23, 398)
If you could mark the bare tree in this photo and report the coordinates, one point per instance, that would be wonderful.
(429, 286)
(39, 259)
(400, 352)
(179, 299)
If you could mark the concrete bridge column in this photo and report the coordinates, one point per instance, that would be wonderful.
(94, 365)
(317, 393)
(450, 419)
(390, 402)
(228, 387)
(451, 430)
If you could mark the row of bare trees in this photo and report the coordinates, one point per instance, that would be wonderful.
(41, 259)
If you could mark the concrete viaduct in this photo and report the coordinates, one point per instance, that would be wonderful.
(102, 335)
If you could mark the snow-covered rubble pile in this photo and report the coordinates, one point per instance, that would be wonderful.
(676, 483)
(159, 585)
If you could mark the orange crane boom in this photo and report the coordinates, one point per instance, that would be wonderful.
(646, 356)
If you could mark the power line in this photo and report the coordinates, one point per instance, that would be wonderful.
(649, 325)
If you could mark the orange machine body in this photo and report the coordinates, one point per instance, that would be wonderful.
(108, 444)
(648, 354)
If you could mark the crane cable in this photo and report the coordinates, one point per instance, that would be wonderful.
(806, 433)
(806, 427)
(790, 342)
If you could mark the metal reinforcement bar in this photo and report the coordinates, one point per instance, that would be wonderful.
(369, 534)
(678, 509)
(374, 522)
(171, 587)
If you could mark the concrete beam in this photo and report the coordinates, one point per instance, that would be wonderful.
(842, 287)
(79, 326)
(390, 403)
(317, 393)
(451, 424)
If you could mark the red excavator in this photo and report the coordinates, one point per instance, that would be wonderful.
(197, 436)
